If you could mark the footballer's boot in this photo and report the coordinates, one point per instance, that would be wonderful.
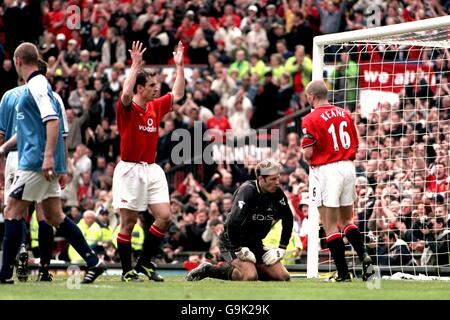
(149, 271)
(22, 264)
(6, 281)
(131, 276)
(94, 272)
(367, 271)
(198, 273)
(44, 276)
(336, 278)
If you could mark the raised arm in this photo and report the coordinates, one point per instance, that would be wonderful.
(178, 85)
(136, 53)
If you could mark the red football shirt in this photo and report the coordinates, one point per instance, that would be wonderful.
(138, 128)
(435, 186)
(332, 133)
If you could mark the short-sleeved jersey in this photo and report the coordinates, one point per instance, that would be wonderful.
(138, 128)
(332, 133)
(8, 112)
(38, 105)
(252, 215)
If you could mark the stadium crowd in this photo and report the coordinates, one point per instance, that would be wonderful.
(250, 61)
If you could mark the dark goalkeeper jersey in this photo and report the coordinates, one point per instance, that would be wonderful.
(253, 214)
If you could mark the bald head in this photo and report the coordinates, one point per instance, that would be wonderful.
(27, 53)
(318, 89)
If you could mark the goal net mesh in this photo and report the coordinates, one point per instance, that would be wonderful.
(397, 89)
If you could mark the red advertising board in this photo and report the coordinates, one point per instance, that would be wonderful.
(392, 77)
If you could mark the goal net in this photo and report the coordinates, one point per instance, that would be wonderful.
(394, 81)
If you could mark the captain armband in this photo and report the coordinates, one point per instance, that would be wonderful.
(308, 140)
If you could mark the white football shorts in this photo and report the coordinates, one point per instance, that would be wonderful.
(136, 185)
(333, 185)
(32, 186)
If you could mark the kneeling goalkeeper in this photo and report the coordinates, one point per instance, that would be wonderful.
(257, 205)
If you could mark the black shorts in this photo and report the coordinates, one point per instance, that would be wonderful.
(228, 254)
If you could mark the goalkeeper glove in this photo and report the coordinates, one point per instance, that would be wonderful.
(245, 254)
(273, 255)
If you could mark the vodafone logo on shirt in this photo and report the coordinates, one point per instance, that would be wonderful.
(149, 127)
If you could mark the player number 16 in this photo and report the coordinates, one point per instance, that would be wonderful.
(343, 136)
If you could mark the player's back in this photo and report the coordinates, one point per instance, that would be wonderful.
(37, 105)
(8, 111)
(333, 132)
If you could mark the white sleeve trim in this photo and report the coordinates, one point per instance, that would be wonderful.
(38, 87)
(64, 114)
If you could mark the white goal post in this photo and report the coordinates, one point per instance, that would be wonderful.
(424, 34)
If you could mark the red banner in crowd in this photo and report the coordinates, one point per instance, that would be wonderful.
(393, 77)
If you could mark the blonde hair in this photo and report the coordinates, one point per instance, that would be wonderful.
(267, 167)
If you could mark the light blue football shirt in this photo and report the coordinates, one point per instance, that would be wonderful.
(36, 106)
(8, 111)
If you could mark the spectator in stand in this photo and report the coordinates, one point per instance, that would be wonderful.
(250, 19)
(223, 85)
(199, 48)
(214, 227)
(186, 30)
(95, 43)
(345, 81)
(229, 13)
(300, 68)
(8, 76)
(271, 17)
(437, 181)
(48, 48)
(113, 49)
(276, 66)
(393, 251)
(81, 159)
(240, 119)
(218, 124)
(79, 97)
(275, 33)
(70, 191)
(283, 50)
(285, 94)
(228, 33)
(265, 100)
(300, 34)
(57, 19)
(12, 26)
(330, 15)
(75, 128)
(241, 65)
(256, 37)
(437, 242)
(87, 222)
(72, 53)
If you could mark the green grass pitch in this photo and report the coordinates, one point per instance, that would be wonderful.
(175, 288)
